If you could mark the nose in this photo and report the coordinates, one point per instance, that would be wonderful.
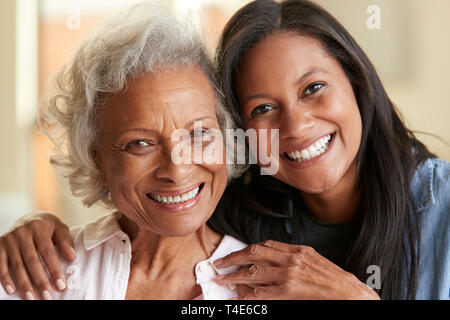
(171, 171)
(295, 121)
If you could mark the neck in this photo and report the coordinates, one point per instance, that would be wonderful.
(162, 254)
(340, 203)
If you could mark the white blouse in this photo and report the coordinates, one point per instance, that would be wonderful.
(102, 267)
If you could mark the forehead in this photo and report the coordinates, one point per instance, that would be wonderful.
(169, 86)
(288, 52)
(173, 94)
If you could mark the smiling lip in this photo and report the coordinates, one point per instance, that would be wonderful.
(311, 162)
(181, 206)
(176, 192)
(307, 143)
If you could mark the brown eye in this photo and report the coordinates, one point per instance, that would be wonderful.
(261, 109)
(199, 133)
(139, 146)
(312, 88)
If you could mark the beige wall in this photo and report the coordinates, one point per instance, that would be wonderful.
(425, 100)
(8, 128)
(14, 183)
(411, 52)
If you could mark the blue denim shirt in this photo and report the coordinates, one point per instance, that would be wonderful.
(431, 190)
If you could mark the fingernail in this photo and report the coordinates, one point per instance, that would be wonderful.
(73, 252)
(218, 262)
(9, 289)
(60, 285)
(29, 296)
(231, 286)
(46, 295)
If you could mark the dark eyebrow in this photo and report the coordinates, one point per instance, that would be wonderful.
(299, 81)
(309, 73)
(255, 96)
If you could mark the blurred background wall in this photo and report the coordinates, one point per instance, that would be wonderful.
(407, 41)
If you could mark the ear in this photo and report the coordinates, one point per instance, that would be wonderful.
(99, 164)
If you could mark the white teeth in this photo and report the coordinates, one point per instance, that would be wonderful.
(314, 150)
(175, 199)
(305, 154)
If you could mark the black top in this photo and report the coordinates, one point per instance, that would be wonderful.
(333, 241)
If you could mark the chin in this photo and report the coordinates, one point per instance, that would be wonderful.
(315, 189)
(312, 186)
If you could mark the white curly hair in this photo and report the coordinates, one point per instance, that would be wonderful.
(138, 41)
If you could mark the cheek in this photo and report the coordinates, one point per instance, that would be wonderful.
(341, 109)
(355, 122)
(219, 179)
(355, 129)
(131, 166)
(123, 175)
(263, 142)
(119, 172)
(214, 152)
(215, 177)
(350, 126)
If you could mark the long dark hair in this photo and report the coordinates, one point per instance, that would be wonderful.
(387, 158)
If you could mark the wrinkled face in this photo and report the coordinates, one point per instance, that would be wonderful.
(289, 82)
(135, 148)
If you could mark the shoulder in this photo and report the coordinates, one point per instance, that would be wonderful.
(431, 191)
(432, 195)
(441, 186)
(430, 185)
(441, 173)
(99, 248)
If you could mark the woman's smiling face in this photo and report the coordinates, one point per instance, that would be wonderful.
(134, 152)
(289, 82)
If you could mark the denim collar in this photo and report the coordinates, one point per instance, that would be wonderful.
(422, 186)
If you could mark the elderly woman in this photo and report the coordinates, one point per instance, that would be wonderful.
(130, 86)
